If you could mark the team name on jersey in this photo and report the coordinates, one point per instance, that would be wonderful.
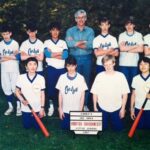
(70, 89)
(33, 51)
(7, 52)
(130, 43)
(106, 45)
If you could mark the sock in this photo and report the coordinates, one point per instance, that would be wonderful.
(18, 104)
(10, 105)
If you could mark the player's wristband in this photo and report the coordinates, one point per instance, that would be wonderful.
(65, 54)
(47, 53)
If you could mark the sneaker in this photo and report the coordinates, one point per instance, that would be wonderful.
(50, 110)
(8, 111)
(18, 112)
(86, 108)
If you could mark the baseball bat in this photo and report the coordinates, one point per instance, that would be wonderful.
(38, 120)
(135, 123)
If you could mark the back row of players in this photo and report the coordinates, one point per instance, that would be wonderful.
(80, 43)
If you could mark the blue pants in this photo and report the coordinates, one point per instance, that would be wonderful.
(129, 72)
(65, 123)
(52, 75)
(144, 122)
(84, 67)
(99, 69)
(29, 121)
(116, 122)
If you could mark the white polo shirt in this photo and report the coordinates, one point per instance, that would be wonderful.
(8, 49)
(33, 48)
(105, 42)
(109, 89)
(141, 86)
(71, 91)
(31, 89)
(127, 58)
(147, 42)
(57, 46)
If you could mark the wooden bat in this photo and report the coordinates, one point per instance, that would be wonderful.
(135, 123)
(38, 120)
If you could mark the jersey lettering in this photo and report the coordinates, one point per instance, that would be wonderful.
(106, 45)
(33, 51)
(70, 89)
(7, 52)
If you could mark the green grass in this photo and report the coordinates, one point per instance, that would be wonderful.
(14, 137)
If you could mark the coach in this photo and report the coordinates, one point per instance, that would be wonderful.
(79, 39)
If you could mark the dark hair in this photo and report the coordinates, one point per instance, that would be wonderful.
(144, 59)
(31, 59)
(5, 28)
(103, 20)
(129, 20)
(71, 61)
(31, 26)
(55, 25)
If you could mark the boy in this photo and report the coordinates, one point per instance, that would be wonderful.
(56, 52)
(110, 90)
(104, 44)
(141, 87)
(131, 44)
(72, 87)
(9, 68)
(33, 47)
(32, 86)
(147, 45)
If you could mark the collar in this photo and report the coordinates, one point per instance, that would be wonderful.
(104, 36)
(130, 34)
(33, 41)
(84, 28)
(32, 79)
(55, 42)
(144, 77)
(71, 78)
(9, 42)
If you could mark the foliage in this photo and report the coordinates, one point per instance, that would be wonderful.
(19, 12)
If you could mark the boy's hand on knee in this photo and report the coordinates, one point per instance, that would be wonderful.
(122, 113)
(61, 113)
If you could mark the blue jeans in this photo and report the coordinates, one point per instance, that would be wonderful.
(65, 123)
(84, 67)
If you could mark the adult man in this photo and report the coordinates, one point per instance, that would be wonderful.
(79, 39)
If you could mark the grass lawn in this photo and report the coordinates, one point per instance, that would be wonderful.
(14, 137)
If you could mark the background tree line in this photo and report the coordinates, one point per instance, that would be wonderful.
(18, 12)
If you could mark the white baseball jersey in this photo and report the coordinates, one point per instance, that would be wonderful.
(141, 86)
(147, 42)
(127, 58)
(33, 48)
(105, 42)
(71, 91)
(8, 49)
(57, 46)
(31, 89)
(109, 89)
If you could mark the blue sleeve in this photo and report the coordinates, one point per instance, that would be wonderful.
(69, 39)
(47, 53)
(65, 54)
(18, 56)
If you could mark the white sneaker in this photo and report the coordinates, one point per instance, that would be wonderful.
(8, 111)
(18, 112)
(50, 110)
(86, 108)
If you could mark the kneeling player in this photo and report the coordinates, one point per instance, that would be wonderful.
(72, 87)
(32, 86)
